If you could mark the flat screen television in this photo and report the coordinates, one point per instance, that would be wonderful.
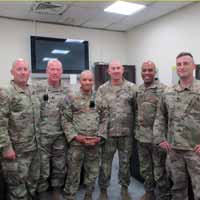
(72, 53)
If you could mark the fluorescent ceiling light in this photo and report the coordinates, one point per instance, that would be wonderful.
(48, 58)
(74, 40)
(59, 51)
(124, 8)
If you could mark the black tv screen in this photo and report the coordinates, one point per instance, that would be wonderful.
(72, 53)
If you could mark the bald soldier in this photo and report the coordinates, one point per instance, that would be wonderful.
(118, 97)
(51, 93)
(21, 114)
(151, 157)
(84, 134)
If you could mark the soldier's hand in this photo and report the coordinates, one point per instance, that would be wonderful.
(165, 146)
(92, 140)
(98, 139)
(9, 154)
(197, 149)
(80, 138)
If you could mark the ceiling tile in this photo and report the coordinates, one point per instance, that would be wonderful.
(119, 27)
(152, 11)
(77, 15)
(90, 14)
(104, 20)
(15, 10)
(43, 17)
(93, 5)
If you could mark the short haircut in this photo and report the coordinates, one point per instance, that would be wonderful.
(115, 63)
(17, 61)
(54, 61)
(86, 72)
(184, 54)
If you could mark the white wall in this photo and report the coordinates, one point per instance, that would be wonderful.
(15, 42)
(161, 40)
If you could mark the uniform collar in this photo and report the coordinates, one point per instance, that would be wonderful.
(60, 88)
(123, 81)
(179, 88)
(17, 88)
(152, 86)
(85, 95)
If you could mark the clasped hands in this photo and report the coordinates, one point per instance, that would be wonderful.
(87, 140)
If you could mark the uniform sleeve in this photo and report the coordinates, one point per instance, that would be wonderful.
(67, 119)
(136, 118)
(103, 110)
(135, 110)
(160, 123)
(5, 142)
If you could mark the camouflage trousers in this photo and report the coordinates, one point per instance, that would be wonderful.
(53, 161)
(22, 175)
(183, 164)
(152, 168)
(78, 157)
(124, 147)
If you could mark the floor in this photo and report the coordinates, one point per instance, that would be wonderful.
(136, 188)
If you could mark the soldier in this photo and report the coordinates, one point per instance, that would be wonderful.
(118, 96)
(152, 158)
(53, 144)
(81, 124)
(4, 140)
(176, 128)
(20, 115)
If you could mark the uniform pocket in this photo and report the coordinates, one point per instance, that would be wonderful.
(11, 171)
(148, 111)
(10, 166)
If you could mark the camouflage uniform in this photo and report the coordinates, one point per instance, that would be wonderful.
(20, 116)
(53, 143)
(80, 117)
(120, 103)
(178, 120)
(4, 139)
(152, 158)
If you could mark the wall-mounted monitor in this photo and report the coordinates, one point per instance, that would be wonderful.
(72, 53)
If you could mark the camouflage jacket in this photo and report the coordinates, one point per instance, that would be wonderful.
(20, 115)
(51, 100)
(120, 103)
(147, 100)
(178, 117)
(79, 116)
(4, 137)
